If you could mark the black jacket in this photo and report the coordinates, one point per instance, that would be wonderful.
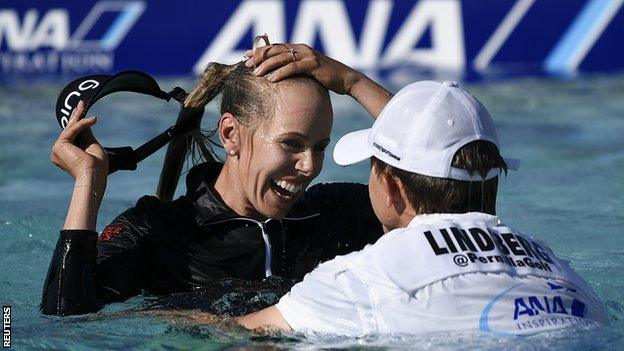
(195, 240)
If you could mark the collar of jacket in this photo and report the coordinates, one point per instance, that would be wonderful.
(209, 205)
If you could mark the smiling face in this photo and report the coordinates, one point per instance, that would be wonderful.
(279, 156)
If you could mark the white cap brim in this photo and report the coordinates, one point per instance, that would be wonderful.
(352, 148)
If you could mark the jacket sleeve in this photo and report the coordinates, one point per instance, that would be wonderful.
(86, 273)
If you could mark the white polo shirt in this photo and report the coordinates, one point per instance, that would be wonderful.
(444, 272)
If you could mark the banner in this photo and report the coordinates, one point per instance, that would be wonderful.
(468, 38)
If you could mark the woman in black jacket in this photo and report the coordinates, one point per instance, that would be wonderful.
(247, 218)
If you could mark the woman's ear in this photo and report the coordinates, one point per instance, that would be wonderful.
(229, 133)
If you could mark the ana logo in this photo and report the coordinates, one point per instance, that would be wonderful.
(547, 311)
(330, 20)
(41, 42)
(534, 305)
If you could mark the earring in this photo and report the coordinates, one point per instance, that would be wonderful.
(232, 153)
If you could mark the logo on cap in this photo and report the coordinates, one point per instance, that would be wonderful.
(386, 151)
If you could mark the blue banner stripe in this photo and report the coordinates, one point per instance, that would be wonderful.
(560, 58)
(119, 27)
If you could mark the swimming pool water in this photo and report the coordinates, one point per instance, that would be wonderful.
(568, 192)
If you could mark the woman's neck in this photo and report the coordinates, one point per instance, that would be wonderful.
(230, 189)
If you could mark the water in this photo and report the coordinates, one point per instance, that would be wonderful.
(569, 192)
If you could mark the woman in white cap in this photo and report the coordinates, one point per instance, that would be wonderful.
(446, 262)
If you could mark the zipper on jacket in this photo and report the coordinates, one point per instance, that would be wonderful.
(267, 247)
(268, 257)
(265, 237)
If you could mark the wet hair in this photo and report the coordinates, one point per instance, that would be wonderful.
(247, 97)
(440, 195)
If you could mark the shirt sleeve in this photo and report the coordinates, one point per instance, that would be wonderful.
(86, 273)
(329, 300)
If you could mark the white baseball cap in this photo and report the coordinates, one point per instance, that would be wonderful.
(421, 128)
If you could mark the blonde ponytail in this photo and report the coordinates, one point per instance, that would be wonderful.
(194, 143)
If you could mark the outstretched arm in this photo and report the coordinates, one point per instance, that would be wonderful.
(269, 317)
(83, 274)
(283, 60)
(87, 164)
(69, 285)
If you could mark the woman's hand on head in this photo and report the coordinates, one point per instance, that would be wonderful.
(283, 60)
(81, 162)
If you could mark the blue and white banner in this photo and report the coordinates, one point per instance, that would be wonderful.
(469, 38)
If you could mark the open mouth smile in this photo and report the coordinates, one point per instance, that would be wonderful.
(285, 189)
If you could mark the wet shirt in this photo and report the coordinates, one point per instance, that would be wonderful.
(444, 272)
(196, 240)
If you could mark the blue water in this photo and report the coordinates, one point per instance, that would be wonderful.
(569, 192)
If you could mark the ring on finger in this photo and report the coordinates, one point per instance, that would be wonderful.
(293, 52)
